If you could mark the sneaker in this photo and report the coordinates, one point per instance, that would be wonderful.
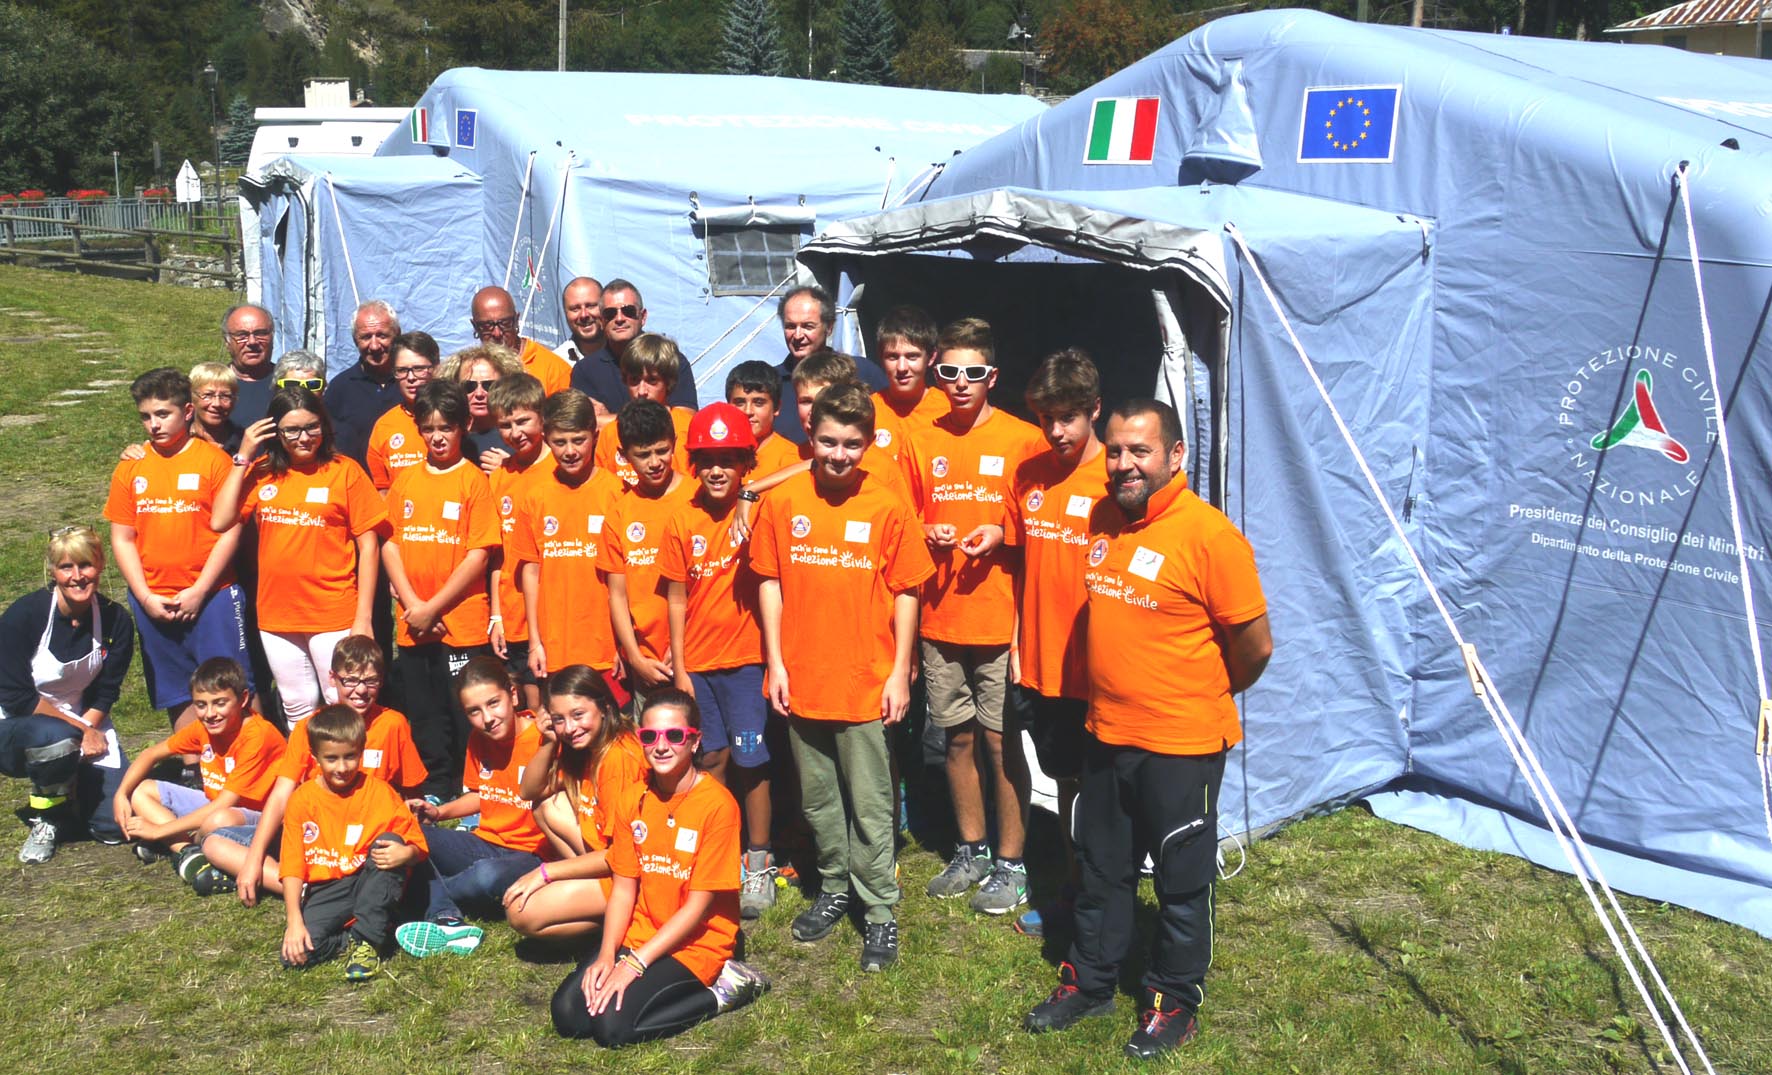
(1160, 1030)
(816, 921)
(421, 939)
(39, 845)
(879, 945)
(468, 824)
(756, 890)
(737, 986)
(1061, 914)
(187, 862)
(149, 853)
(963, 871)
(1064, 1006)
(210, 881)
(1003, 891)
(325, 950)
(364, 962)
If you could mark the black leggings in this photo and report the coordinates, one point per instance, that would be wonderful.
(666, 1000)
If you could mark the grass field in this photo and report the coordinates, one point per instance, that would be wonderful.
(1346, 945)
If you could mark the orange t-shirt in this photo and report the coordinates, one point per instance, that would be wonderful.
(394, 445)
(839, 562)
(775, 453)
(892, 427)
(439, 517)
(608, 452)
(388, 752)
(308, 520)
(247, 766)
(636, 531)
(610, 791)
(510, 484)
(720, 628)
(167, 500)
(1050, 515)
(547, 367)
(561, 528)
(676, 849)
(963, 478)
(875, 461)
(326, 835)
(493, 771)
(1161, 590)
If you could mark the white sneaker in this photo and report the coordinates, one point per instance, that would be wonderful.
(737, 986)
(39, 846)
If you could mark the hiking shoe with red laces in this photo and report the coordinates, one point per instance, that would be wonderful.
(1160, 1029)
(1065, 1006)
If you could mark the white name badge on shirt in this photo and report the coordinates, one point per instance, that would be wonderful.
(228, 765)
(451, 510)
(372, 759)
(187, 482)
(353, 833)
(857, 532)
(1145, 563)
(320, 494)
(520, 774)
(594, 524)
(687, 839)
(991, 466)
(1079, 506)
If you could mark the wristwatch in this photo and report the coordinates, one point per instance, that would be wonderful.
(750, 494)
(241, 461)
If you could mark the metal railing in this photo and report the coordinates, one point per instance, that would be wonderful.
(60, 219)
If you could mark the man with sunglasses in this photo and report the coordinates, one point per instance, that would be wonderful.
(807, 317)
(357, 398)
(247, 333)
(494, 322)
(597, 373)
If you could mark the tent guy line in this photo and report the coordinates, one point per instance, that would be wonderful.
(1489, 694)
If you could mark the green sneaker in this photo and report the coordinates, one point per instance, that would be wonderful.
(421, 939)
(364, 962)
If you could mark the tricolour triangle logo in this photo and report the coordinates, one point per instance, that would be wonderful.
(1640, 425)
(1122, 130)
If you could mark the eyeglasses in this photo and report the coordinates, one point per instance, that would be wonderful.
(947, 371)
(493, 322)
(215, 397)
(628, 310)
(312, 384)
(352, 683)
(676, 736)
(242, 335)
(295, 433)
(470, 387)
(414, 373)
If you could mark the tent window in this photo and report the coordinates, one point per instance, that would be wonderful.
(750, 260)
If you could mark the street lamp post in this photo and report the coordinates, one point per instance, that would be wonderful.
(210, 73)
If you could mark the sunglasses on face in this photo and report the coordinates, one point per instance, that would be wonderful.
(312, 384)
(628, 310)
(676, 736)
(947, 371)
(470, 387)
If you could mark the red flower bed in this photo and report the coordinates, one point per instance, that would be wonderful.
(88, 195)
(30, 195)
(156, 192)
(8, 197)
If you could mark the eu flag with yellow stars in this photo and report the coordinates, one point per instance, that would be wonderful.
(1349, 123)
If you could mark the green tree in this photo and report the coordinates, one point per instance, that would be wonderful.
(867, 42)
(1088, 40)
(236, 144)
(64, 106)
(930, 59)
(750, 41)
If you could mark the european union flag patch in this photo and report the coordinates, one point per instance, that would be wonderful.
(1349, 123)
(466, 119)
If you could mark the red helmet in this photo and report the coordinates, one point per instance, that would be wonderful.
(720, 425)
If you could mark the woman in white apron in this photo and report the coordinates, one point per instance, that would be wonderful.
(64, 651)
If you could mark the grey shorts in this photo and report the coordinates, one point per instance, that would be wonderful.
(965, 683)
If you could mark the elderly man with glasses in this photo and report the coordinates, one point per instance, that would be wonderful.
(247, 333)
(598, 373)
(494, 322)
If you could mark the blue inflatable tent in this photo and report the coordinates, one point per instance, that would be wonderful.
(1480, 244)
(698, 188)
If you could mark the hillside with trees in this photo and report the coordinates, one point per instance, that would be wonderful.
(81, 78)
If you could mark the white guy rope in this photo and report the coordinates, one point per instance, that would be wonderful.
(1763, 763)
(730, 329)
(1574, 848)
(742, 344)
(339, 220)
(553, 222)
(517, 225)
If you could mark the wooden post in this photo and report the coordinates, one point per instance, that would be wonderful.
(151, 255)
(11, 232)
(73, 225)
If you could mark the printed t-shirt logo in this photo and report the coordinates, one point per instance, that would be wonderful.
(801, 526)
(1098, 552)
(1035, 499)
(310, 831)
(505, 506)
(698, 545)
(939, 466)
(408, 509)
(882, 438)
(639, 830)
(550, 525)
(485, 772)
(397, 441)
(141, 485)
(208, 752)
(268, 492)
(636, 531)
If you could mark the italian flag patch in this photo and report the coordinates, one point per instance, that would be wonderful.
(419, 128)
(1122, 130)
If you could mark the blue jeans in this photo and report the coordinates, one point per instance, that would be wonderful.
(463, 868)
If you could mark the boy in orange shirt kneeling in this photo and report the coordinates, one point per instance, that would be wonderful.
(350, 843)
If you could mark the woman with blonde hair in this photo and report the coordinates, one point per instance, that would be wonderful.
(477, 369)
(64, 650)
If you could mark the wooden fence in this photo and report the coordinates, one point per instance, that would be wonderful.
(31, 237)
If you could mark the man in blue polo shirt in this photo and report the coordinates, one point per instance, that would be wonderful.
(807, 317)
(359, 396)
